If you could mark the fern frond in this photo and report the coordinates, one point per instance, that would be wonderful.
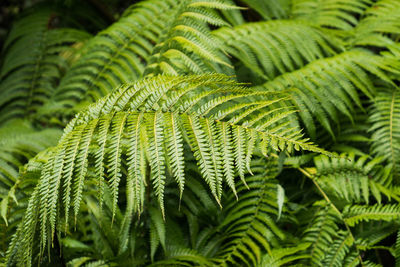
(379, 26)
(351, 179)
(338, 250)
(183, 257)
(154, 36)
(324, 87)
(356, 213)
(282, 256)
(151, 99)
(397, 249)
(385, 119)
(269, 54)
(20, 142)
(249, 225)
(321, 232)
(336, 14)
(29, 76)
(274, 9)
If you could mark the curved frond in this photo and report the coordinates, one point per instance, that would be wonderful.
(336, 14)
(283, 256)
(385, 119)
(321, 233)
(328, 87)
(155, 99)
(272, 48)
(351, 179)
(153, 36)
(249, 227)
(29, 76)
(357, 213)
(379, 25)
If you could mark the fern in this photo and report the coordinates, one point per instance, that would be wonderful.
(29, 76)
(385, 134)
(378, 25)
(313, 88)
(167, 164)
(277, 9)
(321, 232)
(193, 124)
(153, 36)
(356, 213)
(336, 14)
(340, 248)
(268, 54)
(352, 180)
(250, 222)
(284, 256)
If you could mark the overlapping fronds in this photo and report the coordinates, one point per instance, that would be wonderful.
(385, 119)
(151, 120)
(249, 226)
(380, 25)
(353, 180)
(355, 214)
(179, 257)
(339, 249)
(164, 36)
(336, 14)
(19, 142)
(273, 9)
(186, 45)
(321, 232)
(272, 48)
(283, 256)
(35, 58)
(328, 87)
(174, 166)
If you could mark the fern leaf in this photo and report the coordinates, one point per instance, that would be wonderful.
(157, 157)
(268, 54)
(357, 213)
(29, 76)
(337, 14)
(118, 112)
(385, 131)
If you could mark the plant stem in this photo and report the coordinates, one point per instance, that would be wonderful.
(334, 208)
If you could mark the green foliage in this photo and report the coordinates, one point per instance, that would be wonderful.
(29, 76)
(183, 140)
(171, 37)
(384, 117)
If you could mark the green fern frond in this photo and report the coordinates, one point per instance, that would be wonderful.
(328, 86)
(249, 227)
(19, 142)
(338, 250)
(357, 213)
(336, 14)
(29, 76)
(321, 233)
(155, 99)
(274, 9)
(283, 256)
(183, 257)
(351, 179)
(379, 26)
(397, 249)
(269, 54)
(154, 36)
(385, 119)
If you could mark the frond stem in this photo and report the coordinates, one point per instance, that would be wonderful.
(334, 208)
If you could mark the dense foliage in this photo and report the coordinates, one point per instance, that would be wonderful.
(201, 133)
